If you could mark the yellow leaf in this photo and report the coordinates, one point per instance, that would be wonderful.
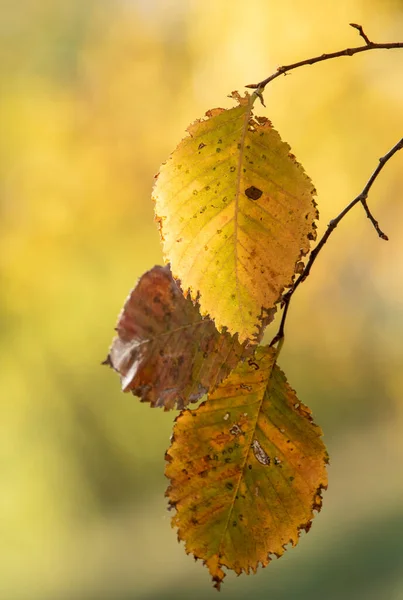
(236, 214)
(247, 469)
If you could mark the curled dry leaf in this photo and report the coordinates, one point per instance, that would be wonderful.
(236, 213)
(164, 351)
(247, 468)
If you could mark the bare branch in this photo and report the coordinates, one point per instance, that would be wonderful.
(310, 61)
(362, 198)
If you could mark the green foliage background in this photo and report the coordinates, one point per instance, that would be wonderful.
(94, 96)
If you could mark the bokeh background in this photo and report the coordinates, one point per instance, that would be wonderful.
(94, 96)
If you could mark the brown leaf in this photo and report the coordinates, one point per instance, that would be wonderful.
(165, 352)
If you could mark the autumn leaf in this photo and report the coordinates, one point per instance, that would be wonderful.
(247, 469)
(236, 213)
(165, 352)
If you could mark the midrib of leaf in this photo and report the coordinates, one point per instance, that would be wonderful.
(251, 436)
(236, 206)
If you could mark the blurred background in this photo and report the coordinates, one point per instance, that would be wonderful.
(94, 96)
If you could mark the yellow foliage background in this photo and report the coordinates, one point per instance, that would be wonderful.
(94, 96)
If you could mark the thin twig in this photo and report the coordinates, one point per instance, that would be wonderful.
(374, 222)
(362, 33)
(362, 197)
(310, 61)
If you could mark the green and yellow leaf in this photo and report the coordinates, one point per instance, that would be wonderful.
(164, 351)
(247, 469)
(236, 214)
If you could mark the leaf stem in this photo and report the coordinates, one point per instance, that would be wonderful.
(310, 61)
(362, 198)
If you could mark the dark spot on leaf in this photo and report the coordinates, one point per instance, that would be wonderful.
(218, 149)
(229, 485)
(232, 169)
(201, 145)
(253, 192)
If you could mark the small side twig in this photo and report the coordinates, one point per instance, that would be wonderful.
(362, 197)
(374, 222)
(310, 61)
(362, 33)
